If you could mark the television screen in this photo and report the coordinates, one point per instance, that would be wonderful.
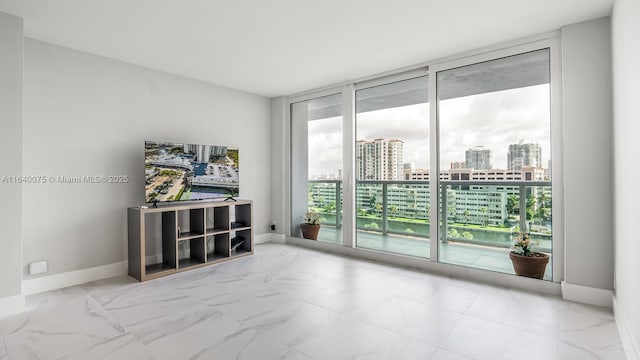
(179, 172)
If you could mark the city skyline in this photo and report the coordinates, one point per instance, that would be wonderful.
(466, 122)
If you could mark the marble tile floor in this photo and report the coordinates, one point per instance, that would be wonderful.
(287, 302)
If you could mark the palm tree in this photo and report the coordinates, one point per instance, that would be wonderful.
(451, 211)
(483, 211)
(543, 214)
(378, 207)
(531, 207)
(513, 202)
(544, 200)
(372, 200)
(393, 209)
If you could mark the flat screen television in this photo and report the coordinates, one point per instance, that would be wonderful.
(187, 172)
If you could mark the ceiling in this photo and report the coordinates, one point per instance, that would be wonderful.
(281, 47)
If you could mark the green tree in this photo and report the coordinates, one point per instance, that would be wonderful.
(373, 226)
(393, 209)
(543, 214)
(451, 211)
(483, 212)
(378, 207)
(466, 216)
(330, 207)
(531, 207)
(467, 235)
(453, 233)
(513, 204)
(544, 200)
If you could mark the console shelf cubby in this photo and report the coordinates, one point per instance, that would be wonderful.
(175, 238)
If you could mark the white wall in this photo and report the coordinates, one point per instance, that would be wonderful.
(587, 116)
(278, 162)
(626, 79)
(299, 195)
(89, 115)
(11, 35)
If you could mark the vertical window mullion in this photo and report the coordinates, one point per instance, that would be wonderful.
(434, 169)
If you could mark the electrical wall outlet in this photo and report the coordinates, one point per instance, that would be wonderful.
(38, 267)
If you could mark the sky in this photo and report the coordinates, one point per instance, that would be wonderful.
(493, 120)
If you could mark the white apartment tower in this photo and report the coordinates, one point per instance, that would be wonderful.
(524, 155)
(380, 159)
(478, 158)
(204, 152)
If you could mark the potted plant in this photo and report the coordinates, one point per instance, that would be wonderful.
(525, 261)
(311, 225)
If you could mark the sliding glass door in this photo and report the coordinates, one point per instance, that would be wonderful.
(495, 159)
(316, 165)
(450, 163)
(392, 167)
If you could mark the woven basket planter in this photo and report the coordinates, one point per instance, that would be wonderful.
(530, 266)
(310, 231)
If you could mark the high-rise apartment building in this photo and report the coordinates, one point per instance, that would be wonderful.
(380, 159)
(524, 155)
(203, 153)
(478, 158)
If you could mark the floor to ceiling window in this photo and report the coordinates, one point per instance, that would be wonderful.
(392, 167)
(466, 141)
(495, 157)
(316, 149)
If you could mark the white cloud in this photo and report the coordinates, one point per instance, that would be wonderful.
(493, 120)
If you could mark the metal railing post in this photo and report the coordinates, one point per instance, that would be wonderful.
(384, 209)
(443, 214)
(338, 205)
(523, 208)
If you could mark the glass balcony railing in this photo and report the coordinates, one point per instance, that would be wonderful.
(486, 216)
(393, 216)
(478, 219)
(325, 197)
(492, 212)
(393, 207)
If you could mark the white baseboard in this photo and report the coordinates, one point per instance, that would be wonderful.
(629, 343)
(587, 294)
(71, 278)
(278, 238)
(11, 305)
(267, 238)
(262, 239)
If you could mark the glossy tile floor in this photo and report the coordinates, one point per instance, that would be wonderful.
(287, 302)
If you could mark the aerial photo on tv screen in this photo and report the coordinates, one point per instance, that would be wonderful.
(175, 172)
